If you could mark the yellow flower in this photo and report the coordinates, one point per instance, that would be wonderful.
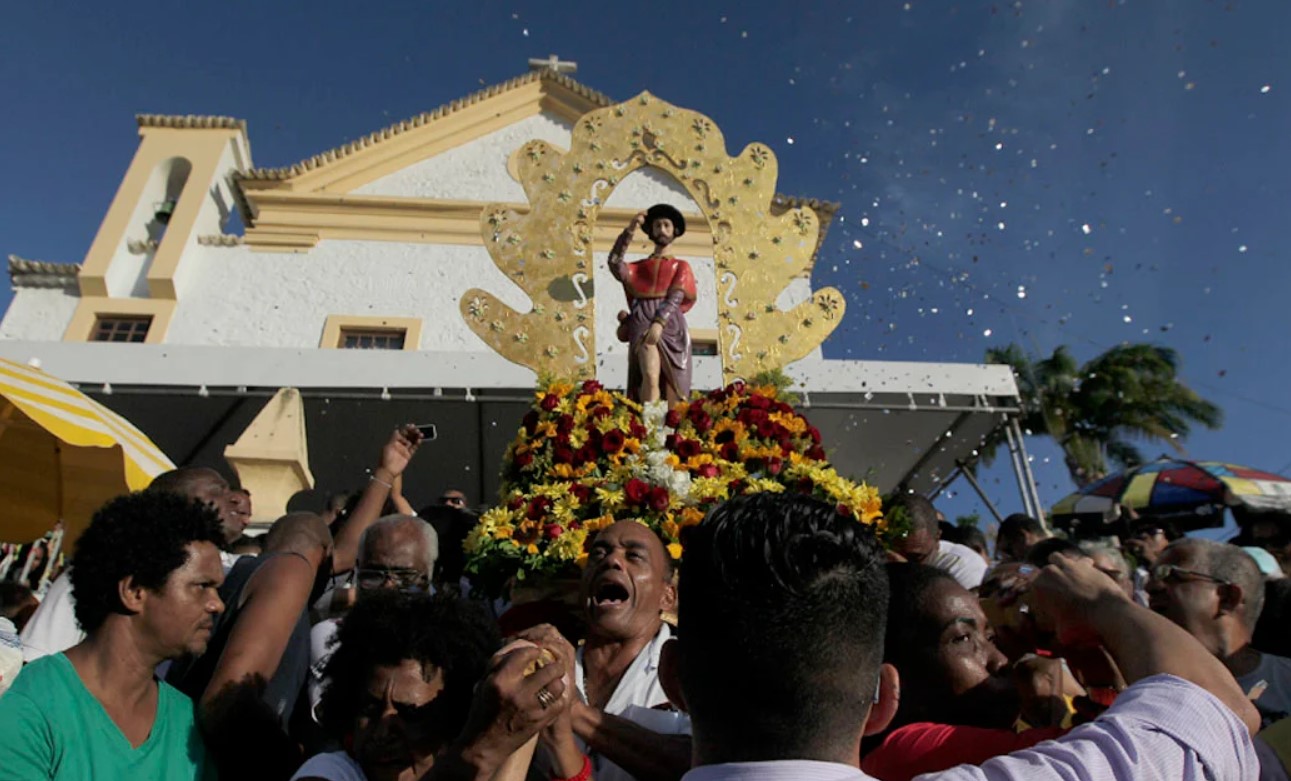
(761, 484)
(670, 529)
(503, 533)
(610, 499)
(709, 488)
(691, 516)
(673, 460)
(794, 423)
(562, 470)
(674, 550)
(545, 429)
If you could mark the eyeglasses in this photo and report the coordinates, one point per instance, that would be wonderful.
(402, 579)
(1169, 573)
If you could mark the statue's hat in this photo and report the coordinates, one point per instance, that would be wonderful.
(665, 210)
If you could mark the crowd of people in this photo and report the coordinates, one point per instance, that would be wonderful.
(347, 643)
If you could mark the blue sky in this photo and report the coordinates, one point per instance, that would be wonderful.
(1046, 172)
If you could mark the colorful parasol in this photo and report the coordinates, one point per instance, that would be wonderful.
(1173, 487)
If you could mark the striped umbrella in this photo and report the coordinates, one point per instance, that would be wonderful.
(62, 455)
(1173, 487)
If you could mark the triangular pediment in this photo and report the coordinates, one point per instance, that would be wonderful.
(379, 154)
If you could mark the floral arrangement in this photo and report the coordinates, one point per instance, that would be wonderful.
(586, 457)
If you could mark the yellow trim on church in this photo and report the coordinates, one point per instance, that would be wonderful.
(336, 324)
(90, 308)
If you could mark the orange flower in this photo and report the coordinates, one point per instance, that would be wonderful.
(691, 516)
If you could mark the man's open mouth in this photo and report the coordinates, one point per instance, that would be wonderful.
(609, 594)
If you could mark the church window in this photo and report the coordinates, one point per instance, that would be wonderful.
(108, 328)
(373, 339)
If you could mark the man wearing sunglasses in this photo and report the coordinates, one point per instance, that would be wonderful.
(397, 552)
(1216, 592)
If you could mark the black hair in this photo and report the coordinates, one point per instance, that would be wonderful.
(1038, 555)
(181, 480)
(1017, 525)
(970, 536)
(917, 510)
(1271, 635)
(1168, 529)
(801, 588)
(908, 588)
(384, 628)
(143, 536)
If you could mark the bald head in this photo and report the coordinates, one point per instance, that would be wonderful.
(208, 487)
(1228, 563)
(302, 533)
(399, 542)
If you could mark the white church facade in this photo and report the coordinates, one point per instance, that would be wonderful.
(351, 278)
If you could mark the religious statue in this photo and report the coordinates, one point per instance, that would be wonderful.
(660, 290)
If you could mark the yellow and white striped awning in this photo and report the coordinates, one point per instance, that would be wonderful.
(62, 454)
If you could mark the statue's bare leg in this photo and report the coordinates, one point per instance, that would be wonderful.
(650, 361)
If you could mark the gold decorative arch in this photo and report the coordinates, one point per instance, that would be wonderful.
(548, 251)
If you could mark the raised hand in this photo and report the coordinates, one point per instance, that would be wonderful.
(399, 450)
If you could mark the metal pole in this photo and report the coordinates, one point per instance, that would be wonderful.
(1017, 470)
(972, 480)
(1036, 504)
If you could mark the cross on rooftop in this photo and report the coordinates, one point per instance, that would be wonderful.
(553, 63)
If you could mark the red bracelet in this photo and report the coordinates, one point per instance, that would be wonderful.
(583, 774)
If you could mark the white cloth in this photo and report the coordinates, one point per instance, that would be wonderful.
(1275, 703)
(52, 628)
(1160, 728)
(960, 561)
(320, 650)
(634, 699)
(10, 653)
(334, 766)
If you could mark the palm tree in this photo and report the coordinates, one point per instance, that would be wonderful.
(1095, 412)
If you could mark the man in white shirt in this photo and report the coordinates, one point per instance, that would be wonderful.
(779, 663)
(622, 718)
(1216, 592)
(922, 543)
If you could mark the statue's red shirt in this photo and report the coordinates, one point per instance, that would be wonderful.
(655, 277)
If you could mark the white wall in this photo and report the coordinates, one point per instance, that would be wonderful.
(477, 171)
(38, 314)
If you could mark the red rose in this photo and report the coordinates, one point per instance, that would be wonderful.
(659, 499)
(768, 430)
(815, 434)
(531, 421)
(639, 431)
(752, 417)
(670, 441)
(600, 411)
(563, 455)
(549, 402)
(737, 486)
(816, 452)
(515, 502)
(523, 460)
(538, 508)
(707, 470)
(612, 441)
(553, 530)
(696, 412)
(759, 402)
(805, 485)
(844, 509)
(703, 422)
(636, 490)
(592, 386)
(673, 419)
(581, 491)
(585, 454)
(730, 451)
(774, 465)
(782, 408)
(565, 424)
(688, 448)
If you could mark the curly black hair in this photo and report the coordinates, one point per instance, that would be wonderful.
(143, 536)
(387, 627)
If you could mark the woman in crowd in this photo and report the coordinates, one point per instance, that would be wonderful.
(960, 696)
(402, 694)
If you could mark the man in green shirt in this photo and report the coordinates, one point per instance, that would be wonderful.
(145, 578)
